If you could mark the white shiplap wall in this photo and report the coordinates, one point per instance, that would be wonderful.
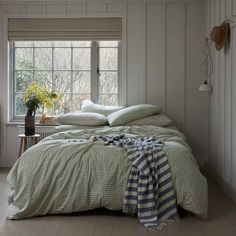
(222, 159)
(162, 50)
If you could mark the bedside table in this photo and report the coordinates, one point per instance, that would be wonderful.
(26, 140)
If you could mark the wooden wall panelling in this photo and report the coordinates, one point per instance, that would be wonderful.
(216, 114)
(228, 102)
(221, 104)
(196, 109)
(135, 53)
(155, 54)
(175, 63)
(233, 48)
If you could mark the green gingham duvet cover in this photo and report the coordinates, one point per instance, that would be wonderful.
(69, 172)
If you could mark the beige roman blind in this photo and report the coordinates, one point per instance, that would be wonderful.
(64, 29)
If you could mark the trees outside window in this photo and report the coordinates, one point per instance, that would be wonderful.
(76, 70)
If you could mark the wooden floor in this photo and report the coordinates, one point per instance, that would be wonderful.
(221, 222)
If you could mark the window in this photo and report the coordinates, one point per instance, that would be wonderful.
(77, 70)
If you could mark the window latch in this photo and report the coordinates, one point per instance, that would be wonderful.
(98, 72)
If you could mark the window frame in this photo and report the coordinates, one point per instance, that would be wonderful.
(94, 75)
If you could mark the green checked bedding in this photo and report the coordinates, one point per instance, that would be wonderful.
(70, 172)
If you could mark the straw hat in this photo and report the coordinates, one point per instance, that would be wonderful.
(219, 35)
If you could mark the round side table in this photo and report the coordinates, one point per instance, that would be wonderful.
(25, 141)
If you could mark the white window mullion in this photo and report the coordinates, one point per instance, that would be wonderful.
(33, 63)
(13, 82)
(53, 82)
(119, 73)
(71, 80)
(94, 76)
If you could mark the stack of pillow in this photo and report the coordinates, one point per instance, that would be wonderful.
(98, 115)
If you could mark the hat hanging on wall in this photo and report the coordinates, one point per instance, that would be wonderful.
(219, 35)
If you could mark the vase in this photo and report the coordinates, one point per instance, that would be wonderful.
(30, 123)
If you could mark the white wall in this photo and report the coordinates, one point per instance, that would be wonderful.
(162, 50)
(222, 159)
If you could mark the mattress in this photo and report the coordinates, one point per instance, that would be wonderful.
(69, 172)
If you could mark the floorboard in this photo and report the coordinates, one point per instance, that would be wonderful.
(221, 221)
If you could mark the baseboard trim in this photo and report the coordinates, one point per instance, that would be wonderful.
(5, 169)
(228, 189)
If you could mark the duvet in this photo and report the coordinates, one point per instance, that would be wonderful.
(69, 172)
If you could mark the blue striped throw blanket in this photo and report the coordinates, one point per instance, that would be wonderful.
(150, 192)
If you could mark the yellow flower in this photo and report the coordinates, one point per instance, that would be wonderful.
(37, 96)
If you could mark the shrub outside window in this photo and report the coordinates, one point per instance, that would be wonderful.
(76, 70)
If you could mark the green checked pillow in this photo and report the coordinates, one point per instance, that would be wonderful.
(132, 113)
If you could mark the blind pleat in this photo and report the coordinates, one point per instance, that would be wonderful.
(64, 29)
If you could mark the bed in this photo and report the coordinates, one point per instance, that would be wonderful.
(69, 172)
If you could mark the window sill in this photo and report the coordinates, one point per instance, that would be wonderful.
(14, 123)
(22, 123)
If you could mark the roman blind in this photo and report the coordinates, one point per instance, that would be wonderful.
(64, 29)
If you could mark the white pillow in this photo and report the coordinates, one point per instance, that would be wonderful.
(89, 106)
(155, 120)
(82, 118)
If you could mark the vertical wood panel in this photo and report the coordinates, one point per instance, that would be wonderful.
(55, 8)
(14, 8)
(233, 45)
(74, 8)
(208, 28)
(175, 63)
(95, 7)
(155, 60)
(234, 7)
(217, 89)
(2, 105)
(208, 16)
(212, 112)
(34, 8)
(228, 103)
(115, 7)
(223, 122)
(135, 53)
(196, 103)
(229, 6)
(222, 98)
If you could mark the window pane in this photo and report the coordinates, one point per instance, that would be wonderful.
(62, 81)
(81, 43)
(23, 44)
(81, 59)
(62, 58)
(43, 44)
(44, 78)
(108, 43)
(24, 58)
(108, 58)
(43, 58)
(108, 82)
(22, 80)
(20, 109)
(62, 43)
(63, 104)
(108, 99)
(77, 101)
(49, 63)
(81, 82)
